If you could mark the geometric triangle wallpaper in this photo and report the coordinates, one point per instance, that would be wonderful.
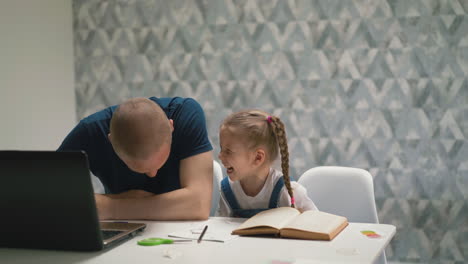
(380, 85)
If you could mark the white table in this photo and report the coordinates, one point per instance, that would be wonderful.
(350, 246)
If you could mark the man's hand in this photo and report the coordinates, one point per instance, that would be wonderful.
(104, 202)
(103, 206)
(131, 194)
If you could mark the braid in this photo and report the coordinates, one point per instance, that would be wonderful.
(280, 132)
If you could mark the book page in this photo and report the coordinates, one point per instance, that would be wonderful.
(275, 218)
(316, 221)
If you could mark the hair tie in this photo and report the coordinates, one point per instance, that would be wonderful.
(292, 200)
(269, 119)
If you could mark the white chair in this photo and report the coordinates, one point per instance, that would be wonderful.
(343, 191)
(217, 177)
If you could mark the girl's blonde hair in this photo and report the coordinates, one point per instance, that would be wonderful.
(259, 128)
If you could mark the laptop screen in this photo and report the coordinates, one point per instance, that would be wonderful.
(47, 201)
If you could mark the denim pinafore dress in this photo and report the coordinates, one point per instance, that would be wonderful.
(247, 213)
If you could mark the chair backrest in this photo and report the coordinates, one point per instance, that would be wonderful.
(217, 177)
(343, 191)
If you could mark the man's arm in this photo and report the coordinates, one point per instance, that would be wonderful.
(191, 202)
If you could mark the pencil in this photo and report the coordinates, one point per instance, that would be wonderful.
(202, 234)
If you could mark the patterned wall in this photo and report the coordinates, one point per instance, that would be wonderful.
(375, 84)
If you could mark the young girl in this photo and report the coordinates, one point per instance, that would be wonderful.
(250, 141)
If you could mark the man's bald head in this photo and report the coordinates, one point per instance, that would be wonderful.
(138, 129)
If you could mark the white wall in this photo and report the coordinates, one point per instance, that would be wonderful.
(37, 100)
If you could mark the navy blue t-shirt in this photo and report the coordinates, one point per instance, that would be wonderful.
(189, 138)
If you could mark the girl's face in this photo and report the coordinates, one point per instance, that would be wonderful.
(235, 156)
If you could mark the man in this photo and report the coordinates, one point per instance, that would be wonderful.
(153, 157)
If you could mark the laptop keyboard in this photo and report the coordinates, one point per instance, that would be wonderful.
(106, 234)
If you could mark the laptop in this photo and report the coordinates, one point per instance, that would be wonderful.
(47, 202)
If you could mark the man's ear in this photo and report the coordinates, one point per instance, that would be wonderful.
(171, 123)
(259, 156)
(109, 136)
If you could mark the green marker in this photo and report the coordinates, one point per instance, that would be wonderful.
(155, 241)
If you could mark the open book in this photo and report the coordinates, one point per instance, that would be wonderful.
(289, 222)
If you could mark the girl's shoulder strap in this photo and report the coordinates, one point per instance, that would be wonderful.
(275, 194)
(229, 194)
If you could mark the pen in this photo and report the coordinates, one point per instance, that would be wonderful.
(202, 234)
